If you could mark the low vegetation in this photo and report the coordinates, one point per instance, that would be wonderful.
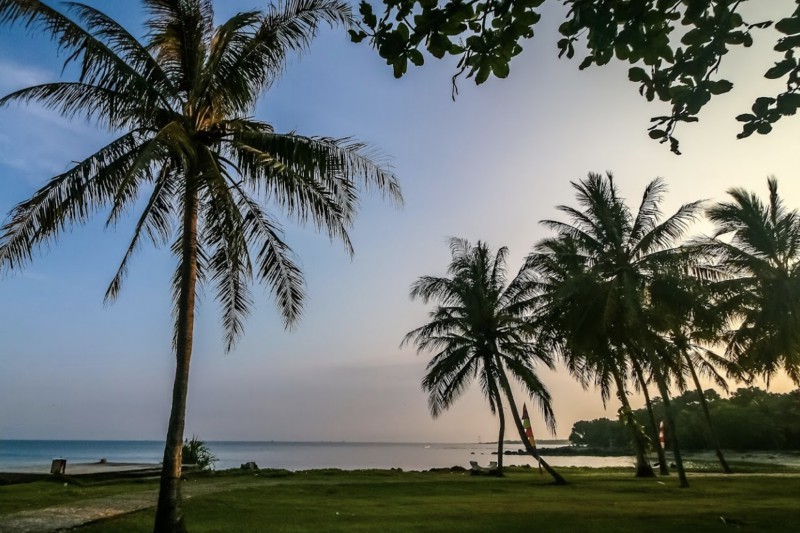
(197, 452)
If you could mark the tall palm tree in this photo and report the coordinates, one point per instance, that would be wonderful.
(480, 330)
(640, 385)
(758, 245)
(214, 178)
(569, 298)
(623, 254)
(689, 322)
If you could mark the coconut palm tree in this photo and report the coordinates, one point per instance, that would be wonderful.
(758, 245)
(689, 323)
(640, 383)
(623, 254)
(215, 180)
(480, 330)
(569, 297)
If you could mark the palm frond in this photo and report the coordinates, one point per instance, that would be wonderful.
(66, 199)
(155, 221)
(100, 66)
(275, 265)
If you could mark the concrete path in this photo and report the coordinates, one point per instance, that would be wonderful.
(65, 517)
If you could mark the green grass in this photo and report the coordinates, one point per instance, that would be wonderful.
(40, 494)
(594, 501)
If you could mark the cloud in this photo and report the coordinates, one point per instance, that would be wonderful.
(14, 76)
(38, 143)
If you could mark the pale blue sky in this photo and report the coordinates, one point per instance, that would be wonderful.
(488, 166)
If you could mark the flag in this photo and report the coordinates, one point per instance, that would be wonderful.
(526, 423)
(661, 438)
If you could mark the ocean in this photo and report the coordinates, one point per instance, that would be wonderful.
(36, 455)
(16, 455)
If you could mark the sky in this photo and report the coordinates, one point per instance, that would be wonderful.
(489, 165)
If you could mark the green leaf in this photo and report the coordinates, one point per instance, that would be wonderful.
(400, 66)
(788, 43)
(761, 105)
(747, 130)
(368, 16)
(696, 100)
(415, 56)
(764, 128)
(781, 68)
(483, 74)
(720, 86)
(402, 31)
(356, 36)
(674, 146)
(438, 45)
(657, 134)
(738, 37)
(788, 103)
(637, 74)
(696, 36)
(500, 68)
(789, 25)
(746, 117)
(365, 8)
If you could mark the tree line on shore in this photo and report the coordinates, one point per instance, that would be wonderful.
(752, 419)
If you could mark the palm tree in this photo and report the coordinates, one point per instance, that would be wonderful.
(622, 255)
(214, 178)
(758, 245)
(689, 322)
(480, 330)
(640, 384)
(702, 360)
(569, 297)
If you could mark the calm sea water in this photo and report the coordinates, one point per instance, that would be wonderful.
(27, 454)
(16, 455)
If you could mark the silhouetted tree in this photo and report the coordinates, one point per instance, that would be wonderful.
(213, 178)
(758, 245)
(480, 329)
(675, 47)
(625, 255)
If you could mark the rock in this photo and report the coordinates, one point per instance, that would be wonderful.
(249, 466)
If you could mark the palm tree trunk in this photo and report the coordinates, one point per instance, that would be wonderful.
(502, 435)
(518, 423)
(725, 467)
(643, 466)
(169, 513)
(663, 467)
(676, 449)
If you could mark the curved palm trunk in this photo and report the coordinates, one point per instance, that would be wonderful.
(169, 513)
(663, 467)
(502, 435)
(523, 437)
(725, 467)
(676, 449)
(643, 466)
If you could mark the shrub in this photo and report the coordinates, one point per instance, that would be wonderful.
(195, 451)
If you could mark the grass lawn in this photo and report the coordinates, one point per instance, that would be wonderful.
(594, 501)
(40, 494)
